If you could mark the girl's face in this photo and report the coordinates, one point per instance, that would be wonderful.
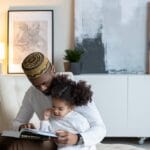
(60, 108)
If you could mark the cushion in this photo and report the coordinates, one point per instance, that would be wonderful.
(117, 147)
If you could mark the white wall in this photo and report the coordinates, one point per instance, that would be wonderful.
(63, 24)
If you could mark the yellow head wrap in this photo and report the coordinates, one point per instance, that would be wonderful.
(35, 64)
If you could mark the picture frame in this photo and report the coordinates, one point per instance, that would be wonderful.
(29, 31)
(108, 43)
(148, 39)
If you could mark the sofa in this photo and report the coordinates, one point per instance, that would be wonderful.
(12, 90)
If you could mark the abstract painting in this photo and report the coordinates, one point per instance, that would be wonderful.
(112, 34)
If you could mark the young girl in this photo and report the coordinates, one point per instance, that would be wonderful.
(66, 94)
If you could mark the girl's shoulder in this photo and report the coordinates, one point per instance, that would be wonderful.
(77, 117)
(80, 122)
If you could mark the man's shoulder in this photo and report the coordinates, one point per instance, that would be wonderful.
(69, 74)
(33, 91)
(89, 105)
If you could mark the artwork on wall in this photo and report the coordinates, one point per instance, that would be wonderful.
(28, 31)
(148, 38)
(112, 34)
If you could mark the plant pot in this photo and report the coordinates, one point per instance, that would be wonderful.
(75, 68)
(67, 66)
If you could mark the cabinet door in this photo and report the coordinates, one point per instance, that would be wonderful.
(139, 105)
(110, 96)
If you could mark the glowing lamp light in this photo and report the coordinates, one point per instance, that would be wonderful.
(1, 57)
(1, 52)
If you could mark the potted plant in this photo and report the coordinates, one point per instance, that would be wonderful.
(73, 56)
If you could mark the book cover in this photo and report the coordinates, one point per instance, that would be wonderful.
(29, 133)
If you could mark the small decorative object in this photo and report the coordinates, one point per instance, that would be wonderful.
(66, 66)
(73, 56)
(28, 31)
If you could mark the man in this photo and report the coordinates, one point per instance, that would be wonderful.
(40, 73)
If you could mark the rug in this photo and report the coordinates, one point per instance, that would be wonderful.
(117, 147)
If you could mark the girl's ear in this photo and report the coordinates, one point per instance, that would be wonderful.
(71, 108)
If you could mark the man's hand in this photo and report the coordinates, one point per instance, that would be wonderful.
(65, 137)
(28, 125)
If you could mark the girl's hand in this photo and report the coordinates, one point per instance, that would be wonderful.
(28, 125)
(47, 114)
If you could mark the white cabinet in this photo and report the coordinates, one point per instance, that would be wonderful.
(111, 99)
(123, 101)
(139, 105)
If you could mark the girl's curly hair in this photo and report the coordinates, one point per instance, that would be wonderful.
(74, 93)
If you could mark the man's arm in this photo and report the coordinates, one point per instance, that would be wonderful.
(25, 113)
(97, 130)
(93, 135)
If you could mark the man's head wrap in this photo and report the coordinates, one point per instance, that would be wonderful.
(35, 64)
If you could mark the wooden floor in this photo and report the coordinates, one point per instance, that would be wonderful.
(131, 141)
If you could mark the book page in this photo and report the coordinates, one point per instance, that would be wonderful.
(8, 133)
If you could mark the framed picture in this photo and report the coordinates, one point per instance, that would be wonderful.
(112, 38)
(28, 31)
(148, 38)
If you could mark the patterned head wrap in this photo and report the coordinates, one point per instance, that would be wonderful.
(35, 64)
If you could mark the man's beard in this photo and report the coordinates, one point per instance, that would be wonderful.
(47, 92)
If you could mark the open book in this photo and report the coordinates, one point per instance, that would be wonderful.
(29, 133)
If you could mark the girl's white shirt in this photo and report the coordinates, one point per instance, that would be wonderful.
(73, 122)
